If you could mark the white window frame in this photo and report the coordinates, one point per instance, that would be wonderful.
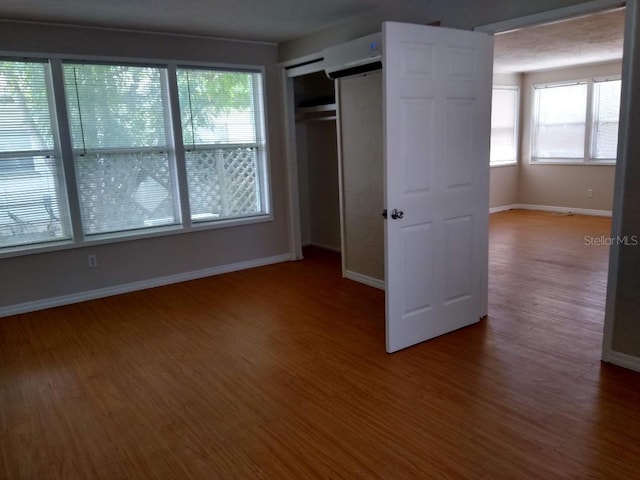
(516, 127)
(82, 151)
(260, 143)
(589, 146)
(61, 127)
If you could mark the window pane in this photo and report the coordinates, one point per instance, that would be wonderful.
(124, 191)
(115, 106)
(223, 183)
(25, 118)
(123, 166)
(31, 188)
(218, 108)
(30, 210)
(504, 114)
(560, 121)
(605, 117)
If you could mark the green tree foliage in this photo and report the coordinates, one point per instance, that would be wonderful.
(207, 94)
(115, 106)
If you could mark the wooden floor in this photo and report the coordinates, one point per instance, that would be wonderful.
(280, 372)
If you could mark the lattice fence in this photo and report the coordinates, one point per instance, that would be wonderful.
(124, 191)
(223, 182)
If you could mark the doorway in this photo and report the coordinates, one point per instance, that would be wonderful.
(317, 161)
(561, 15)
(338, 160)
(574, 9)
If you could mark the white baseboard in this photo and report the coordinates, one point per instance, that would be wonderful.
(504, 208)
(624, 360)
(134, 286)
(358, 277)
(551, 208)
(326, 247)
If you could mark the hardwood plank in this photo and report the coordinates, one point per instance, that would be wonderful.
(280, 372)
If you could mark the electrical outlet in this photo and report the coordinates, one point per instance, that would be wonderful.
(589, 192)
(93, 261)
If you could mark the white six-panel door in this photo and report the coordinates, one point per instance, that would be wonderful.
(437, 113)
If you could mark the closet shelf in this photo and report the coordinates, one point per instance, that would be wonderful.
(328, 107)
(317, 112)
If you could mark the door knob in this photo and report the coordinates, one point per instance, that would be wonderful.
(397, 214)
(384, 213)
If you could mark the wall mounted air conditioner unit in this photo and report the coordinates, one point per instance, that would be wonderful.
(357, 56)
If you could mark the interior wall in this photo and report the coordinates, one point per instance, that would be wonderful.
(33, 277)
(360, 110)
(563, 185)
(323, 186)
(503, 189)
(303, 183)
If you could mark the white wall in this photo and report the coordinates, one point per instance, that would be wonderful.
(33, 277)
(303, 183)
(563, 185)
(551, 185)
(323, 186)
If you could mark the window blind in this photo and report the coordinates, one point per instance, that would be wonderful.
(218, 106)
(115, 106)
(605, 117)
(560, 121)
(504, 121)
(32, 200)
(117, 116)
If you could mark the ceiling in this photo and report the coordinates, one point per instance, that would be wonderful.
(260, 20)
(590, 39)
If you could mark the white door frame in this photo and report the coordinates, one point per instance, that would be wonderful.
(624, 136)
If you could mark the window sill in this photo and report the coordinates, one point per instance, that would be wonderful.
(598, 163)
(503, 164)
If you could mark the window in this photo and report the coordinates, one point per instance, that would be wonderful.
(606, 110)
(504, 125)
(121, 130)
(576, 122)
(32, 197)
(117, 117)
(224, 142)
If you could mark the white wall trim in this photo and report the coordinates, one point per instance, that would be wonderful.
(551, 208)
(504, 208)
(134, 286)
(624, 360)
(367, 280)
(550, 16)
(555, 209)
(325, 247)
